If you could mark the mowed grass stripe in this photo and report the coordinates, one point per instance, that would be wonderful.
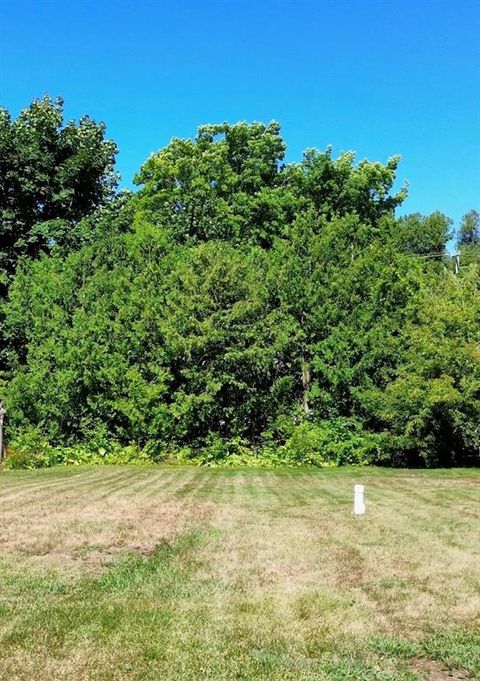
(86, 477)
(172, 481)
(32, 480)
(79, 492)
(142, 485)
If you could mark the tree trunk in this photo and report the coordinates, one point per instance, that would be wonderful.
(2, 446)
(306, 379)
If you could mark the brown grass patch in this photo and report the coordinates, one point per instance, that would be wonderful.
(79, 524)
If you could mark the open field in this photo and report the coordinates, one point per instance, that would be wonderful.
(115, 573)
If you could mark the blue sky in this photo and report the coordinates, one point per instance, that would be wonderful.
(377, 77)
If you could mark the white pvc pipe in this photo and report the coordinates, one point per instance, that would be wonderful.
(358, 500)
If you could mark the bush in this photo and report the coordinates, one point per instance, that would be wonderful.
(337, 442)
(30, 450)
(225, 452)
(325, 443)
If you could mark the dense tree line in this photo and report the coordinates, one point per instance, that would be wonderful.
(234, 308)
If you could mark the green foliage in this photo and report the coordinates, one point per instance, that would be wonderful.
(335, 442)
(164, 350)
(222, 185)
(337, 187)
(469, 233)
(52, 175)
(30, 450)
(240, 310)
(229, 183)
(468, 239)
(432, 406)
(423, 234)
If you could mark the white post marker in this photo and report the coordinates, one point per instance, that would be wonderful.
(358, 500)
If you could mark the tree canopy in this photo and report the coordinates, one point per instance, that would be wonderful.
(52, 174)
(230, 183)
(469, 233)
(237, 307)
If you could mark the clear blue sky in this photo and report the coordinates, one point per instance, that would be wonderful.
(378, 77)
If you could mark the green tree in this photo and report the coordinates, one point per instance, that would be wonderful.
(139, 341)
(52, 174)
(222, 185)
(237, 302)
(430, 410)
(338, 187)
(230, 183)
(349, 292)
(468, 239)
(425, 235)
(469, 233)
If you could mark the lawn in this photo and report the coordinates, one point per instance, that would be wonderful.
(144, 573)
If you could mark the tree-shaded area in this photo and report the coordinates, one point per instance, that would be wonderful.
(237, 308)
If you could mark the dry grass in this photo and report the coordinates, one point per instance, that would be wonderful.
(434, 671)
(280, 580)
(85, 519)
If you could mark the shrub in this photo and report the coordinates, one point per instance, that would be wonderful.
(30, 450)
(225, 452)
(336, 442)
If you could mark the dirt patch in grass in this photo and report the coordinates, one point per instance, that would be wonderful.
(434, 671)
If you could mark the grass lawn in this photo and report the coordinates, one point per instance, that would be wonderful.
(113, 573)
